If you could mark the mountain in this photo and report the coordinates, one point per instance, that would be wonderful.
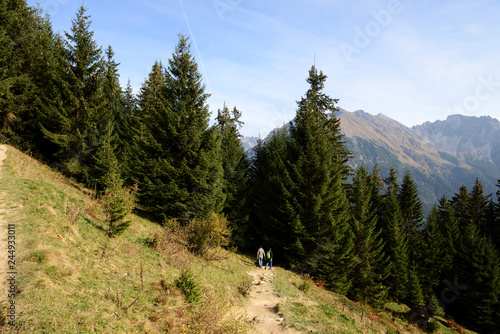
(441, 155)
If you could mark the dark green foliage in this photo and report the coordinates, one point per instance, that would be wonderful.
(370, 270)
(415, 296)
(435, 308)
(118, 204)
(451, 236)
(81, 118)
(317, 199)
(26, 52)
(433, 258)
(235, 165)
(189, 286)
(177, 157)
(396, 243)
(478, 270)
(460, 204)
(412, 213)
(271, 221)
(477, 207)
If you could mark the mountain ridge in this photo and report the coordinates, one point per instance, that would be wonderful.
(441, 155)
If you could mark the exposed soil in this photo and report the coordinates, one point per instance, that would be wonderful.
(261, 307)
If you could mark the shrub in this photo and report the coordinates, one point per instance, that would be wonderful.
(245, 286)
(189, 286)
(434, 307)
(118, 204)
(203, 235)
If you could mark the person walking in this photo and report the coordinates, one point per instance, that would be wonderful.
(269, 258)
(260, 256)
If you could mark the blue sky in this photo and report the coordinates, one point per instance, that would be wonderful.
(413, 61)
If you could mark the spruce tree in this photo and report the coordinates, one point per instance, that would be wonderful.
(412, 213)
(396, 243)
(433, 257)
(477, 207)
(80, 123)
(177, 156)
(368, 274)
(460, 204)
(235, 164)
(448, 227)
(317, 200)
(125, 123)
(272, 223)
(26, 41)
(479, 274)
(104, 167)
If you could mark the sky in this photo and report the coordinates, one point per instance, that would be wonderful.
(414, 61)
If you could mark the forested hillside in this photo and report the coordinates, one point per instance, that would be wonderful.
(60, 99)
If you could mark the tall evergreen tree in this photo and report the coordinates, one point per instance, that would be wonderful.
(125, 123)
(460, 204)
(479, 274)
(179, 169)
(369, 272)
(396, 243)
(317, 200)
(450, 231)
(27, 41)
(412, 213)
(78, 125)
(235, 165)
(433, 254)
(271, 221)
(104, 167)
(477, 207)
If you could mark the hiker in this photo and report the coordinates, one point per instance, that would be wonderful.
(269, 259)
(260, 256)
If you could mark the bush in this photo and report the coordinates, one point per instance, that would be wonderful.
(118, 204)
(434, 307)
(203, 235)
(245, 286)
(189, 286)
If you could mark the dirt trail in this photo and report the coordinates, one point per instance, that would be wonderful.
(262, 306)
(3, 233)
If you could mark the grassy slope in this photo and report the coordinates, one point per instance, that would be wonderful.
(73, 279)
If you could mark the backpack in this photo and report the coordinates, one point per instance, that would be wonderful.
(268, 255)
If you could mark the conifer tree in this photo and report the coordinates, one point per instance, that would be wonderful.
(177, 162)
(317, 200)
(412, 213)
(235, 165)
(433, 254)
(460, 204)
(479, 274)
(477, 207)
(104, 167)
(415, 295)
(125, 123)
(79, 124)
(196, 148)
(26, 41)
(450, 231)
(269, 184)
(396, 244)
(369, 273)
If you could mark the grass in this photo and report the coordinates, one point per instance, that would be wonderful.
(73, 279)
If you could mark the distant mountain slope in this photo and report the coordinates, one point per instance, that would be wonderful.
(467, 137)
(441, 155)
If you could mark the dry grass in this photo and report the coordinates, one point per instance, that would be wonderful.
(72, 278)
